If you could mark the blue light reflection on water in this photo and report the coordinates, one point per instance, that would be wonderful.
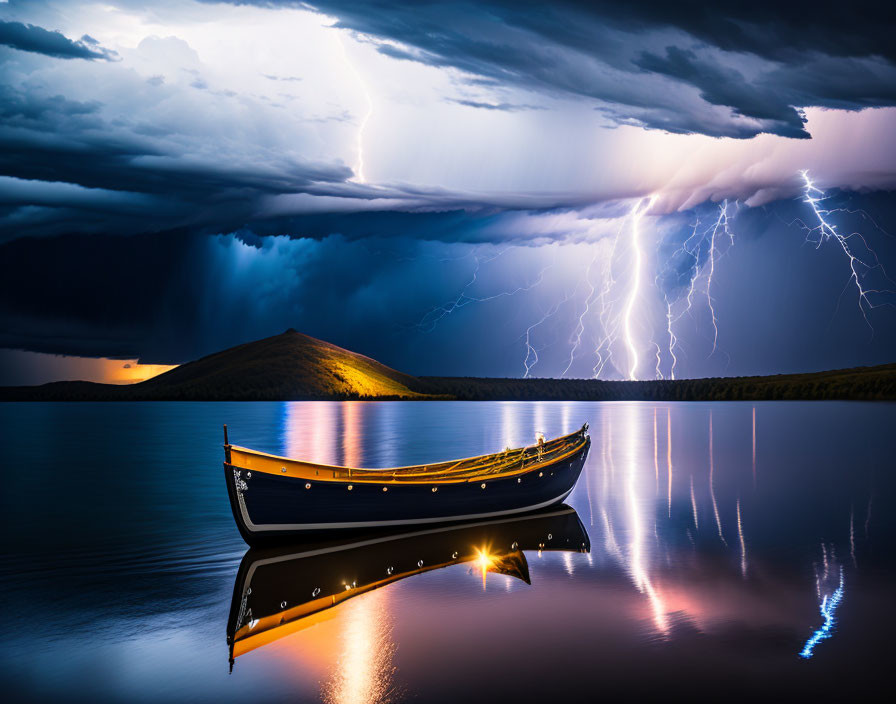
(828, 607)
(126, 552)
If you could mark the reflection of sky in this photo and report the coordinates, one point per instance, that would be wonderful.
(646, 589)
(634, 525)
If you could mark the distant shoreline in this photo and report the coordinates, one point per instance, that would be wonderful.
(296, 367)
(859, 384)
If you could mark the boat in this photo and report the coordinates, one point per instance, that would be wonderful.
(278, 498)
(281, 590)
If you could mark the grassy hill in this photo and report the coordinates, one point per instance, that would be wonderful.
(293, 367)
(290, 366)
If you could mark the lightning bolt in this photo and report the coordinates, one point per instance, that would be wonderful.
(700, 240)
(432, 317)
(635, 290)
(825, 230)
(609, 322)
(531, 352)
(365, 118)
(673, 341)
(580, 325)
(721, 222)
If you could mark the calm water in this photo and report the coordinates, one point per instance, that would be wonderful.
(734, 549)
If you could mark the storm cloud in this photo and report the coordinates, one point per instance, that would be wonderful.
(242, 167)
(761, 63)
(29, 37)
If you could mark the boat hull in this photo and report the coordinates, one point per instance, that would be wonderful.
(269, 507)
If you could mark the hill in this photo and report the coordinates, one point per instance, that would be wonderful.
(296, 367)
(290, 366)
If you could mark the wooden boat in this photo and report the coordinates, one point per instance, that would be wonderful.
(279, 591)
(276, 497)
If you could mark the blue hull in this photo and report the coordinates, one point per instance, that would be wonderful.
(267, 506)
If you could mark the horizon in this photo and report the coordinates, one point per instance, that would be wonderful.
(124, 372)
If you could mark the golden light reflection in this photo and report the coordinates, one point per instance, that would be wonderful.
(309, 431)
(483, 561)
(363, 671)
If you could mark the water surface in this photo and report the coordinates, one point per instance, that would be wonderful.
(736, 549)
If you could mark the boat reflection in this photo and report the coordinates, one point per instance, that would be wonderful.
(281, 590)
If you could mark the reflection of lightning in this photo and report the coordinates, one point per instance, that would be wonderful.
(669, 455)
(754, 447)
(712, 493)
(694, 505)
(635, 290)
(828, 607)
(656, 462)
(825, 230)
(743, 545)
(359, 163)
(637, 558)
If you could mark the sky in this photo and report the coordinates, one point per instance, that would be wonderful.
(495, 188)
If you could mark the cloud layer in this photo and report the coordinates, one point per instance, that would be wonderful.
(28, 37)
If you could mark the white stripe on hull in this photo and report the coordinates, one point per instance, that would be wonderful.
(379, 524)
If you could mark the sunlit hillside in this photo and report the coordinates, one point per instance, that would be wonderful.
(286, 366)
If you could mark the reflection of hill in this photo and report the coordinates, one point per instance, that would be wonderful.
(295, 367)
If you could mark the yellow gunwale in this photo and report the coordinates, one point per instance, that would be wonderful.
(493, 466)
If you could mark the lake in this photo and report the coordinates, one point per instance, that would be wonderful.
(736, 550)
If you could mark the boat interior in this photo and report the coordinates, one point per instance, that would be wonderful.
(509, 462)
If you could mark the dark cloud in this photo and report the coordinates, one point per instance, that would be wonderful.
(67, 156)
(726, 86)
(29, 37)
(172, 297)
(605, 51)
(502, 107)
